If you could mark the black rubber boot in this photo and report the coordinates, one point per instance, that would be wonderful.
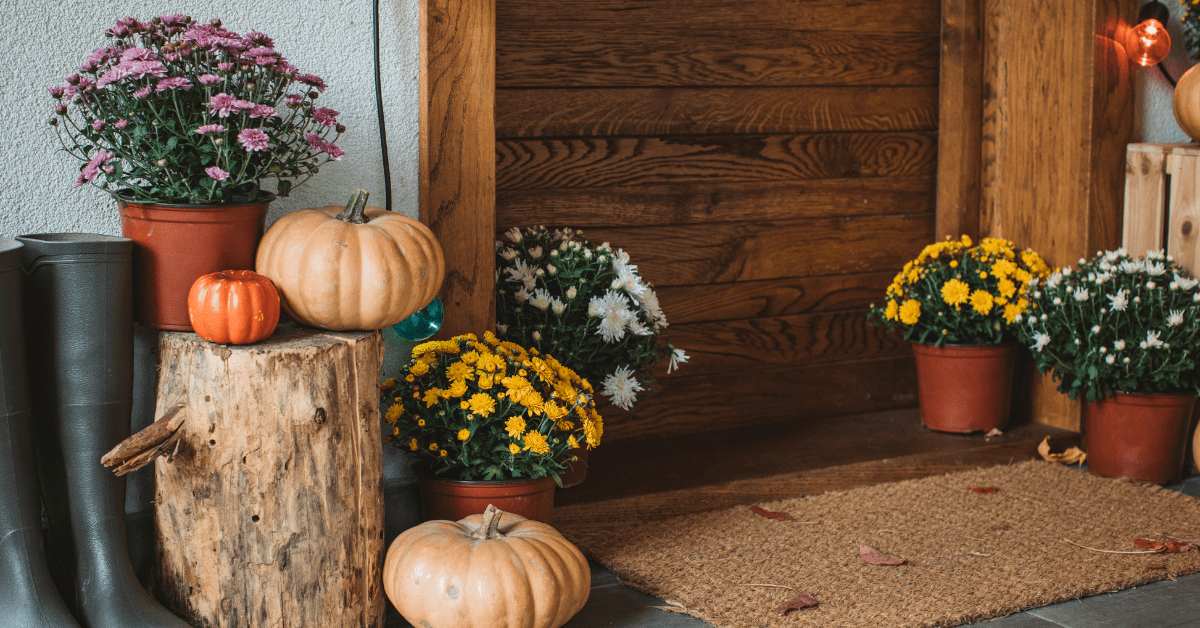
(28, 598)
(78, 303)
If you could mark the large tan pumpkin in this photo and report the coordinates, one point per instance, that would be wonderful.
(495, 570)
(1186, 103)
(351, 267)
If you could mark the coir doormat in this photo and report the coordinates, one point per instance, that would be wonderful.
(975, 545)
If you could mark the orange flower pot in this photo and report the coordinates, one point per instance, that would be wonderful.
(454, 499)
(1139, 436)
(963, 388)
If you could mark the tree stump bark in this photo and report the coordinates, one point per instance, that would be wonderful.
(271, 513)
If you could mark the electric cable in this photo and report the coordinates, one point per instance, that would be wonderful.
(387, 168)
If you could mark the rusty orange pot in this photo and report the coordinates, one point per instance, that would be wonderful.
(965, 388)
(1139, 436)
(173, 245)
(454, 499)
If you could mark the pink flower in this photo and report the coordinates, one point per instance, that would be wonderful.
(312, 79)
(138, 69)
(294, 100)
(114, 74)
(334, 151)
(173, 20)
(142, 93)
(209, 79)
(121, 124)
(137, 54)
(210, 128)
(222, 104)
(92, 168)
(225, 67)
(175, 82)
(319, 144)
(98, 57)
(260, 39)
(325, 116)
(216, 173)
(98, 125)
(60, 109)
(253, 139)
(56, 92)
(263, 111)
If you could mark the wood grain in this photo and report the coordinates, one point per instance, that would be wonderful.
(712, 110)
(742, 398)
(606, 162)
(666, 54)
(702, 202)
(774, 297)
(700, 254)
(622, 15)
(960, 118)
(1183, 234)
(1145, 199)
(458, 166)
(272, 511)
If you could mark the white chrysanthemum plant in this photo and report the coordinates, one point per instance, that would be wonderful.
(586, 305)
(1117, 325)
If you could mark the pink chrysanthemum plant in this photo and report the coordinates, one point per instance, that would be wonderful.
(178, 111)
(490, 410)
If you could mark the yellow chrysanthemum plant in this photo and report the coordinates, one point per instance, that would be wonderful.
(490, 410)
(958, 293)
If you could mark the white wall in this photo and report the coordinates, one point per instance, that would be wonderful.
(46, 41)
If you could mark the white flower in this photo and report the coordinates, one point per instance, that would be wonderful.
(637, 328)
(1080, 294)
(1113, 255)
(1110, 359)
(1152, 339)
(1151, 254)
(521, 295)
(535, 252)
(1151, 285)
(1196, 297)
(528, 282)
(571, 292)
(513, 234)
(1174, 285)
(1040, 340)
(521, 272)
(551, 269)
(557, 306)
(540, 300)
(621, 388)
(553, 252)
(1101, 278)
(1057, 301)
(1095, 329)
(1131, 266)
(501, 329)
(614, 313)
(508, 254)
(1185, 282)
(650, 304)
(1054, 279)
(536, 335)
(562, 246)
(1119, 300)
(1126, 360)
(587, 254)
(1155, 269)
(1175, 319)
(677, 357)
(1119, 345)
(1103, 349)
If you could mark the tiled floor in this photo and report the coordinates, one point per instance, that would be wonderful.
(1163, 604)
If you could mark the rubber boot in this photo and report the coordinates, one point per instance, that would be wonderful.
(28, 598)
(78, 305)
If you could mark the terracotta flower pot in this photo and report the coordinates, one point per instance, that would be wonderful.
(576, 471)
(454, 499)
(964, 388)
(1139, 436)
(173, 245)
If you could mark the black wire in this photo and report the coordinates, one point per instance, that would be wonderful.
(387, 168)
(1167, 75)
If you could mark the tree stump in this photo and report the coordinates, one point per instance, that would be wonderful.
(271, 511)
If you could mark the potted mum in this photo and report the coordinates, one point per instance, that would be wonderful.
(587, 306)
(182, 122)
(492, 421)
(960, 305)
(1124, 335)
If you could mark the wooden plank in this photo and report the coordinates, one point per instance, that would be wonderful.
(458, 163)
(960, 118)
(707, 202)
(742, 398)
(1183, 235)
(1145, 201)
(664, 54)
(712, 110)
(783, 342)
(775, 297)
(700, 254)
(1111, 128)
(623, 15)
(628, 161)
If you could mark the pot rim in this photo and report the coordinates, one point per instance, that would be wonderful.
(423, 474)
(966, 345)
(263, 197)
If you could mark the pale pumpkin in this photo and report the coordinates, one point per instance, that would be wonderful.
(352, 267)
(495, 570)
(1186, 103)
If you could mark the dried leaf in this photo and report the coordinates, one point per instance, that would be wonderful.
(984, 490)
(778, 516)
(1164, 547)
(994, 432)
(1073, 455)
(804, 600)
(871, 555)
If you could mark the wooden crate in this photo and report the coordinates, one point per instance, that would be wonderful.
(1162, 209)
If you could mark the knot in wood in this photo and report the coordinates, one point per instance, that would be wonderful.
(321, 416)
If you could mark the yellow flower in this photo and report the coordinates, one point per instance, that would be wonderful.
(536, 442)
(515, 426)
(1022, 275)
(409, 378)
(482, 404)
(442, 453)
(891, 311)
(966, 240)
(953, 263)
(532, 400)
(470, 357)
(516, 383)
(459, 371)
(554, 411)
(1006, 287)
(419, 369)
(393, 413)
(432, 396)
(457, 389)
(983, 274)
(910, 312)
(432, 446)
(425, 347)
(1003, 268)
(464, 434)
(592, 430)
(566, 426)
(463, 404)
(388, 384)
(420, 422)
(982, 301)
(485, 381)
(1011, 311)
(1035, 263)
(514, 449)
(572, 443)
(412, 444)
(955, 292)
(490, 338)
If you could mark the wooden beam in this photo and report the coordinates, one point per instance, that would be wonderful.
(960, 118)
(458, 152)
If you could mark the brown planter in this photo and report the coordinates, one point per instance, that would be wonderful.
(964, 388)
(1139, 436)
(577, 470)
(173, 245)
(454, 499)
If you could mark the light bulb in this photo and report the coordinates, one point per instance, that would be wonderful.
(1147, 43)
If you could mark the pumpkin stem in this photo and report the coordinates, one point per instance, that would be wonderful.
(487, 527)
(354, 208)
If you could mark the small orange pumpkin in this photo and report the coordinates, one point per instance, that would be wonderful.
(1186, 103)
(351, 267)
(237, 307)
(494, 570)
